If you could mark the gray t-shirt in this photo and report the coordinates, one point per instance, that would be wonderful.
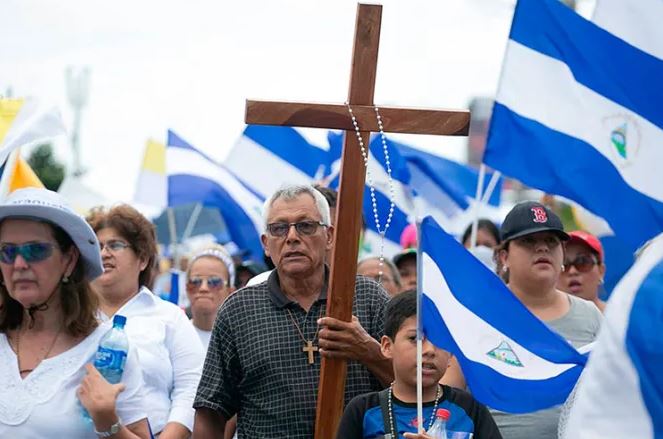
(579, 326)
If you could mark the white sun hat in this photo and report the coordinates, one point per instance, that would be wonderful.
(45, 205)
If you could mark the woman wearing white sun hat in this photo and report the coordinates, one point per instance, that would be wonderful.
(49, 332)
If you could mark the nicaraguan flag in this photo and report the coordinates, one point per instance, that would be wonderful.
(423, 182)
(193, 177)
(266, 157)
(620, 395)
(446, 189)
(403, 212)
(578, 113)
(511, 360)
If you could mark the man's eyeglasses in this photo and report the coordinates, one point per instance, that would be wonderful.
(213, 282)
(583, 263)
(304, 228)
(31, 252)
(114, 245)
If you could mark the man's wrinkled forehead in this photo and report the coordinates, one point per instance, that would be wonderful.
(299, 208)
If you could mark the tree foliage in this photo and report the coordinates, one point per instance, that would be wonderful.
(49, 170)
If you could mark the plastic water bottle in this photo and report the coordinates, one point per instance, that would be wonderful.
(439, 427)
(111, 354)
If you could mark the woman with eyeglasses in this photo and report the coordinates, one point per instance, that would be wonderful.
(210, 277)
(167, 344)
(583, 267)
(530, 260)
(49, 331)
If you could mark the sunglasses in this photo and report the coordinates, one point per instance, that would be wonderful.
(213, 282)
(30, 252)
(304, 228)
(583, 264)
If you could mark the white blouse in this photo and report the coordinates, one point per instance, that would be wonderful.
(203, 335)
(44, 403)
(170, 354)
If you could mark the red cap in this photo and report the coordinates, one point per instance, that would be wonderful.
(589, 240)
(443, 413)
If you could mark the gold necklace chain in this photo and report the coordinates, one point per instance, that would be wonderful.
(18, 350)
(308, 348)
(299, 330)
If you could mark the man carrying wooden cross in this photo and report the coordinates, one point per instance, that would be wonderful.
(358, 116)
(263, 362)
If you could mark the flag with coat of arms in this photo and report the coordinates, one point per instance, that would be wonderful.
(578, 114)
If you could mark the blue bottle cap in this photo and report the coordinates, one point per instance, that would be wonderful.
(119, 320)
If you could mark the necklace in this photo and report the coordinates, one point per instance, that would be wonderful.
(369, 179)
(18, 350)
(309, 347)
(438, 394)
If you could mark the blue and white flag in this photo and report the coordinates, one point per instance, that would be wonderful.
(458, 180)
(445, 189)
(194, 177)
(578, 114)
(266, 157)
(423, 182)
(620, 394)
(511, 360)
(403, 212)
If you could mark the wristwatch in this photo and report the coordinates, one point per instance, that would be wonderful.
(113, 429)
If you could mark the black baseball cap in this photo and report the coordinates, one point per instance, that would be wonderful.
(531, 217)
(404, 256)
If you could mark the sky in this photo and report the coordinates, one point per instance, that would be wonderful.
(190, 66)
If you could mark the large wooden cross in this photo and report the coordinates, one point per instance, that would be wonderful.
(353, 173)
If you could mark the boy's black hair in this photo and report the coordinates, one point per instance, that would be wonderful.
(400, 308)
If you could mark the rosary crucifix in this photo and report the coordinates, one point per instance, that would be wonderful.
(353, 173)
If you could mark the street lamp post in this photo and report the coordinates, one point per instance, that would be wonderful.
(78, 87)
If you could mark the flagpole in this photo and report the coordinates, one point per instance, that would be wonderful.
(193, 219)
(420, 407)
(491, 187)
(477, 205)
(8, 172)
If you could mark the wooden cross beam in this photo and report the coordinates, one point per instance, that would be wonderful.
(352, 180)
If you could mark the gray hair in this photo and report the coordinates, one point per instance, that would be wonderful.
(395, 274)
(292, 191)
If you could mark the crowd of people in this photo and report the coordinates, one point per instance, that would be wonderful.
(246, 359)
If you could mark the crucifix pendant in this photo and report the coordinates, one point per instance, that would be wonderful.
(309, 349)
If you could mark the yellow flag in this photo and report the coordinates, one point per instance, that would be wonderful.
(154, 159)
(151, 187)
(23, 176)
(8, 110)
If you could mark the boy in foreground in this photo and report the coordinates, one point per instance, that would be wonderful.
(392, 413)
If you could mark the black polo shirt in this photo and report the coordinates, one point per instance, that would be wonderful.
(255, 366)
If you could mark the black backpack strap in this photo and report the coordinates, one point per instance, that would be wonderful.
(384, 405)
